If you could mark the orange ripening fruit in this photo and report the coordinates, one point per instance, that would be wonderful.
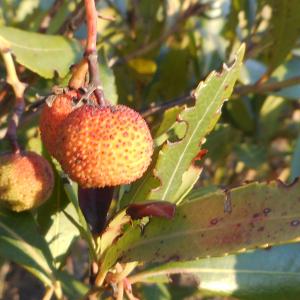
(105, 146)
(52, 116)
(26, 180)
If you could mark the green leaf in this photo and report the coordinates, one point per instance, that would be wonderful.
(295, 164)
(254, 215)
(287, 71)
(171, 78)
(142, 65)
(269, 117)
(40, 53)
(157, 292)
(85, 232)
(284, 30)
(260, 274)
(21, 243)
(241, 113)
(71, 287)
(168, 121)
(107, 79)
(175, 158)
(189, 179)
(204, 191)
(252, 156)
(224, 135)
(54, 220)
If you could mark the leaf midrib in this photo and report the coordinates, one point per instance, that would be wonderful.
(177, 234)
(193, 133)
(210, 270)
(36, 48)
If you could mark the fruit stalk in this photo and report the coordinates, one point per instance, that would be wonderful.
(91, 51)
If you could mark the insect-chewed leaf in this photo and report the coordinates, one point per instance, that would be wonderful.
(175, 158)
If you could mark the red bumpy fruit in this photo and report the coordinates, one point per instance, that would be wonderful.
(52, 117)
(104, 146)
(26, 180)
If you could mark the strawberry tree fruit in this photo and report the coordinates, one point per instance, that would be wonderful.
(52, 116)
(104, 146)
(26, 180)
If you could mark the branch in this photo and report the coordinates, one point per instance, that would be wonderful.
(260, 88)
(164, 106)
(50, 14)
(194, 9)
(18, 88)
(267, 87)
(91, 51)
(75, 20)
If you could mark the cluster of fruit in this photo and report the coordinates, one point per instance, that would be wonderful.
(96, 146)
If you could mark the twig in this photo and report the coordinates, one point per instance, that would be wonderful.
(114, 6)
(162, 107)
(267, 87)
(50, 14)
(91, 51)
(242, 90)
(75, 20)
(194, 9)
(19, 88)
(106, 18)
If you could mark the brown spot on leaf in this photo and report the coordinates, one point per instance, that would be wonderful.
(227, 202)
(174, 257)
(295, 223)
(266, 211)
(260, 229)
(214, 221)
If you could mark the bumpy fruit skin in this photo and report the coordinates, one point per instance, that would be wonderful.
(52, 118)
(105, 146)
(26, 180)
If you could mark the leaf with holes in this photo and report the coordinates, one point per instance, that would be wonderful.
(253, 215)
(175, 158)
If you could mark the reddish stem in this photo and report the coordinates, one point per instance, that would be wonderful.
(11, 133)
(91, 51)
(91, 20)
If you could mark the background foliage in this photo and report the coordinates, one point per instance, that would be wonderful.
(152, 56)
